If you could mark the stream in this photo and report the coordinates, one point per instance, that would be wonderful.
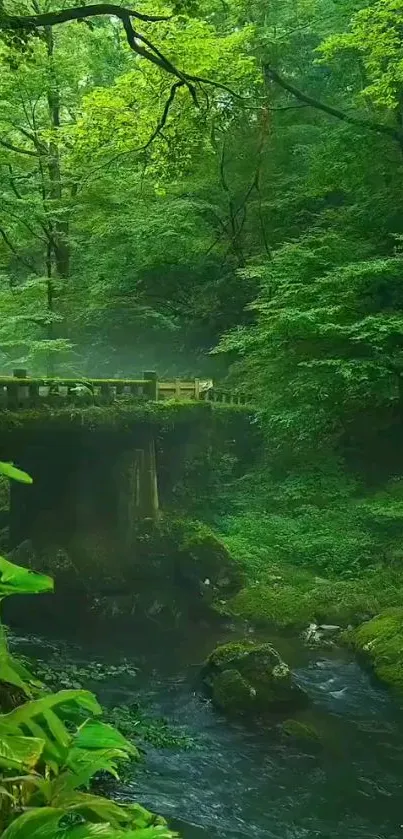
(238, 783)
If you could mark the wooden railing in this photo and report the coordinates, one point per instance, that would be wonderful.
(23, 391)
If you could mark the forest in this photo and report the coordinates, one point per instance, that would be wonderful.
(211, 190)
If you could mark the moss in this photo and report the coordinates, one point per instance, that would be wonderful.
(122, 416)
(224, 654)
(200, 555)
(380, 640)
(260, 679)
(4, 494)
(265, 605)
(289, 598)
(300, 730)
(231, 692)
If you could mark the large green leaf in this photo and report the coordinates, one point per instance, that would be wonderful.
(84, 764)
(96, 747)
(94, 734)
(12, 670)
(43, 718)
(51, 823)
(11, 471)
(14, 579)
(19, 753)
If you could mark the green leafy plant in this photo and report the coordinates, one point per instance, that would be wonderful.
(49, 755)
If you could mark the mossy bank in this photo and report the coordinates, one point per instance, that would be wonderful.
(380, 642)
(290, 598)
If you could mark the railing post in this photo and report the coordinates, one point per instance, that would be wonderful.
(197, 389)
(12, 395)
(33, 394)
(151, 385)
(105, 393)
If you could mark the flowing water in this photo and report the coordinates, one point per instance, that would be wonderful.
(239, 783)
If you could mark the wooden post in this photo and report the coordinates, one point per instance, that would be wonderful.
(148, 481)
(197, 390)
(177, 389)
(151, 385)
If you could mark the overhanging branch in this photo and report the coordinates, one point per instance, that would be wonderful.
(77, 13)
(138, 42)
(370, 125)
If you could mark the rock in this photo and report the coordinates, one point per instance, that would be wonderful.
(251, 678)
(300, 730)
(318, 635)
(202, 561)
(329, 627)
(311, 635)
(23, 554)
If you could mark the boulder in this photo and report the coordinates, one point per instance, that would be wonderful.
(202, 562)
(250, 678)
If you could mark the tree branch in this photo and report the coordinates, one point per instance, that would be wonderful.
(378, 127)
(77, 13)
(11, 147)
(164, 116)
(10, 245)
(137, 42)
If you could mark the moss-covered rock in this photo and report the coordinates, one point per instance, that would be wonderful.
(380, 640)
(249, 678)
(202, 560)
(300, 730)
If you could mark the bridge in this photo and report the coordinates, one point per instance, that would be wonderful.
(103, 452)
(22, 391)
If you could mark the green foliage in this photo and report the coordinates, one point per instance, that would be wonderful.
(380, 641)
(49, 755)
(11, 471)
(288, 597)
(132, 721)
(156, 731)
(373, 38)
(14, 579)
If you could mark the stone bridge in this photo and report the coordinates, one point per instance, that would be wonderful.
(98, 449)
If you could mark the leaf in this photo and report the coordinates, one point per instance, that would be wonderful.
(11, 471)
(50, 823)
(11, 669)
(14, 579)
(18, 752)
(39, 717)
(94, 734)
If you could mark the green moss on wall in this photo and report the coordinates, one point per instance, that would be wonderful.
(118, 416)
